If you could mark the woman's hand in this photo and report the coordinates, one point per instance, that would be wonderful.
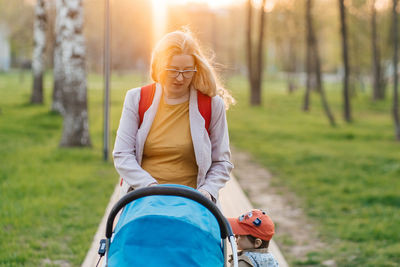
(206, 194)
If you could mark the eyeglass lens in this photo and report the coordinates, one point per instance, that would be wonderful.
(186, 73)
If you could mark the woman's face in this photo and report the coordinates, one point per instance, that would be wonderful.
(175, 87)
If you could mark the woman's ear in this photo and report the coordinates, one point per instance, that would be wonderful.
(257, 243)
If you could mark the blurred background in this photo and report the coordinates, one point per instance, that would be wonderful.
(315, 83)
(219, 25)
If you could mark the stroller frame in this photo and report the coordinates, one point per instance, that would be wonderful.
(225, 228)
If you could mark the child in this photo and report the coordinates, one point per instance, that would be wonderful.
(253, 232)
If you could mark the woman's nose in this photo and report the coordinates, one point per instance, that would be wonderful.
(180, 77)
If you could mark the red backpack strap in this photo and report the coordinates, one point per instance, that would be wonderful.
(204, 104)
(146, 98)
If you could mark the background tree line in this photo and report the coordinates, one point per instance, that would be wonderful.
(305, 41)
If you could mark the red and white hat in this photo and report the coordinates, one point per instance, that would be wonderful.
(256, 223)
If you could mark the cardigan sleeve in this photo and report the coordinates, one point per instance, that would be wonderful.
(219, 172)
(124, 153)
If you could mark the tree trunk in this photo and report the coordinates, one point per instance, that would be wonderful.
(320, 87)
(395, 34)
(291, 79)
(256, 95)
(306, 104)
(255, 61)
(58, 72)
(38, 62)
(346, 90)
(314, 55)
(232, 58)
(249, 46)
(74, 95)
(378, 90)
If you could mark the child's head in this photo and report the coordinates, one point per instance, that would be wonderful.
(253, 229)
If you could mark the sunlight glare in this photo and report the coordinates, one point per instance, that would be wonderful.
(210, 3)
(382, 4)
(160, 9)
(159, 12)
(269, 4)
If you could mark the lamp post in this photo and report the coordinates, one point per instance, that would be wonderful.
(106, 78)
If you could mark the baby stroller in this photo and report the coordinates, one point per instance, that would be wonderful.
(167, 225)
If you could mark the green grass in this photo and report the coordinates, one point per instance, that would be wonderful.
(51, 199)
(347, 176)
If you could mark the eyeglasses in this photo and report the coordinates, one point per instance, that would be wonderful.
(187, 74)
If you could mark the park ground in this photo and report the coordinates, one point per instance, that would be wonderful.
(342, 180)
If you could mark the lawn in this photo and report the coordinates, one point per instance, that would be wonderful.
(51, 199)
(347, 177)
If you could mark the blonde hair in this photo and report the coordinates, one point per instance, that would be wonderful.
(182, 42)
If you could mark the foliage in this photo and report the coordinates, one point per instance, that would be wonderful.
(17, 18)
(290, 40)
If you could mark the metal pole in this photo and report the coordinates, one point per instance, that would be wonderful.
(106, 76)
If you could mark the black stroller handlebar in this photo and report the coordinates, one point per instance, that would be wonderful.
(224, 226)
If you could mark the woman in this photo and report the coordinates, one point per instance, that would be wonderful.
(172, 145)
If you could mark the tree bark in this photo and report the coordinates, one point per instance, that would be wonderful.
(38, 62)
(346, 90)
(74, 93)
(378, 84)
(395, 34)
(320, 87)
(249, 46)
(291, 67)
(256, 95)
(306, 103)
(314, 56)
(255, 61)
(58, 72)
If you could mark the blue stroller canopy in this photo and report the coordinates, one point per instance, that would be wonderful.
(164, 231)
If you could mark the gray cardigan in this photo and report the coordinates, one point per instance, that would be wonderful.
(211, 151)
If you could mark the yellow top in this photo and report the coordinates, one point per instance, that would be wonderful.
(168, 153)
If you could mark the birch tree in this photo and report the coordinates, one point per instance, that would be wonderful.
(38, 61)
(74, 93)
(57, 105)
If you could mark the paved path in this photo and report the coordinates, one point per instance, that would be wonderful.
(233, 203)
(92, 256)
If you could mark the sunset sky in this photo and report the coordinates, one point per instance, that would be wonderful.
(160, 10)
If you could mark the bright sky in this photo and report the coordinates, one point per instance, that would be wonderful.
(218, 3)
(211, 3)
(160, 10)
